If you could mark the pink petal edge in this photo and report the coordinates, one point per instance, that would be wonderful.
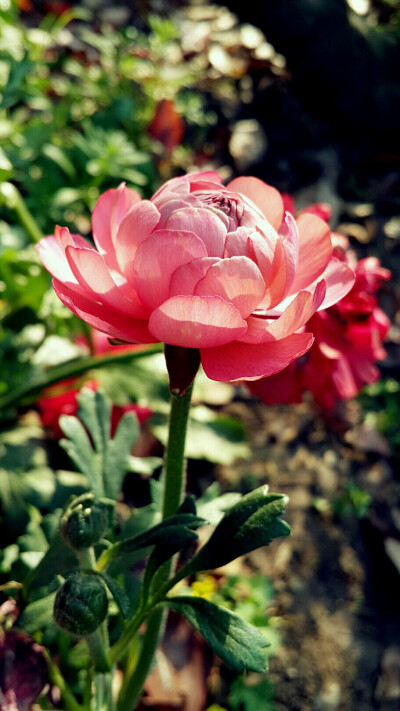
(243, 361)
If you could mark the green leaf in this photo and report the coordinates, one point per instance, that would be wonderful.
(118, 594)
(174, 531)
(58, 559)
(95, 412)
(251, 523)
(37, 615)
(105, 464)
(249, 696)
(13, 90)
(240, 645)
(79, 449)
(171, 534)
(144, 465)
(212, 505)
(116, 460)
(56, 154)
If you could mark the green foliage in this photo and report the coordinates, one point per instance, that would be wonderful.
(247, 696)
(251, 523)
(216, 438)
(105, 462)
(82, 122)
(171, 534)
(352, 501)
(238, 644)
(37, 615)
(27, 481)
(381, 403)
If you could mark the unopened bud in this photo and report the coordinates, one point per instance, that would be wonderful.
(81, 604)
(84, 522)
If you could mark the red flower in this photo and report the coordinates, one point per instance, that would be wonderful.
(167, 125)
(60, 400)
(348, 342)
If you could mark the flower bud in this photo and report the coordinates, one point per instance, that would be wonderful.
(81, 604)
(84, 522)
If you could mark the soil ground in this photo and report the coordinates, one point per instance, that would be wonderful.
(336, 589)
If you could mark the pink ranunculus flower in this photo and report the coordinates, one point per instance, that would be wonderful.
(348, 342)
(221, 270)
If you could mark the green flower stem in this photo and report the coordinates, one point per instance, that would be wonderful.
(175, 465)
(71, 704)
(28, 391)
(97, 642)
(14, 201)
(103, 700)
(174, 484)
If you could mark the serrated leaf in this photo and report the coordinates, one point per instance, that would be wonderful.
(240, 645)
(79, 450)
(117, 454)
(95, 412)
(118, 594)
(251, 523)
(106, 465)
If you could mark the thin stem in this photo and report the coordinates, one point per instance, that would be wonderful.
(71, 704)
(120, 646)
(97, 642)
(103, 693)
(27, 391)
(174, 482)
(175, 465)
(14, 201)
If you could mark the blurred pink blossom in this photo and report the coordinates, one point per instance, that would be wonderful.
(348, 342)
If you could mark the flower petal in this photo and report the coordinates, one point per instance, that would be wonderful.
(196, 322)
(105, 319)
(186, 181)
(283, 388)
(136, 226)
(185, 279)
(339, 280)
(237, 280)
(108, 213)
(247, 361)
(92, 274)
(156, 260)
(303, 306)
(315, 250)
(52, 252)
(204, 224)
(267, 198)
